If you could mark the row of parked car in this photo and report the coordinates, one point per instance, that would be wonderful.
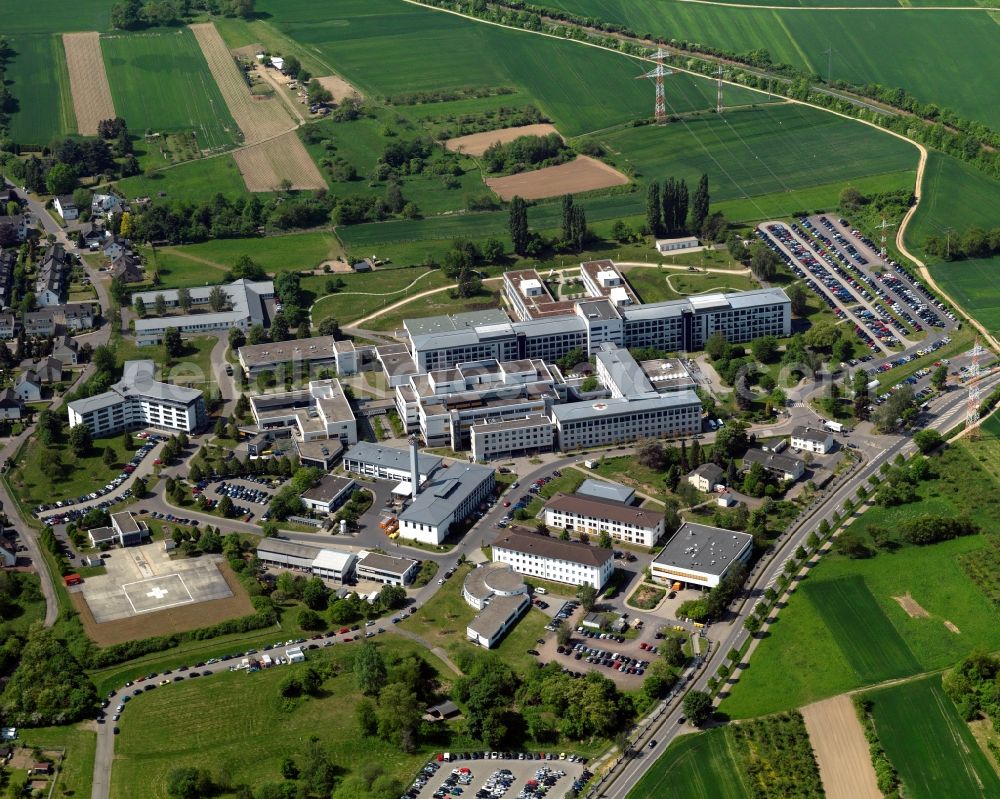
(803, 265)
(68, 503)
(237, 491)
(624, 664)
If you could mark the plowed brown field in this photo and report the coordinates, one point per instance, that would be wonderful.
(88, 81)
(338, 87)
(841, 750)
(582, 174)
(478, 143)
(264, 166)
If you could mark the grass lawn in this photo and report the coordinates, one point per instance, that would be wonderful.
(39, 79)
(34, 481)
(442, 621)
(239, 722)
(79, 745)
(186, 95)
(363, 294)
(192, 368)
(874, 649)
(434, 304)
(698, 766)
(190, 181)
(656, 285)
(27, 608)
(197, 264)
(567, 483)
(931, 747)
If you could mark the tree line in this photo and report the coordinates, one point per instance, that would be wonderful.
(137, 14)
(526, 152)
(975, 242)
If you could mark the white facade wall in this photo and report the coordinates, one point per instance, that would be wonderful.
(592, 525)
(809, 445)
(137, 412)
(555, 569)
(619, 428)
(490, 444)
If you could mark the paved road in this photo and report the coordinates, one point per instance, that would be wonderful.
(727, 635)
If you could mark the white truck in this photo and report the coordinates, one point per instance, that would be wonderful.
(836, 427)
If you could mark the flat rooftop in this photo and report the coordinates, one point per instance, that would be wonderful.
(537, 420)
(444, 492)
(389, 564)
(493, 578)
(391, 458)
(492, 618)
(317, 347)
(578, 411)
(700, 548)
(447, 323)
(329, 487)
(601, 489)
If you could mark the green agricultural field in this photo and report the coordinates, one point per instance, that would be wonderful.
(931, 747)
(698, 766)
(160, 81)
(975, 285)
(802, 661)
(238, 722)
(955, 195)
(890, 47)
(434, 50)
(766, 150)
(39, 80)
(874, 649)
(197, 264)
(58, 16)
(191, 181)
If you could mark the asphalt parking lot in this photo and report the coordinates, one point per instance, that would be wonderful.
(498, 777)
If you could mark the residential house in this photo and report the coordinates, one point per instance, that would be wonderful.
(10, 404)
(52, 279)
(66, 208)
(76, 315)
(114, 248)
(66, 350)
(94, 234)
(40, 323)
(105, 205)
(812, 439)
(14, 229)
(49, 370)
(28, 387)
(8, 325)
(706, 477)
(127, 268)
(8, 260)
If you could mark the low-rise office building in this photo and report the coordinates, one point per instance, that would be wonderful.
(139, 400)
(388, 463)
(601, 489)
(492, 623)
(551, 559)
(512, 438)
(812, 439)
(329, 493)
(448, 498)
(700, 556)
(245, 298)
(325, 562)
(386, 569)
(125, 530)
(298, 355)
(593, 516)
(618, 421)
(318, 412)
(491, 580)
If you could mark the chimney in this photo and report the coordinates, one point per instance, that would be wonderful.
(414, 470)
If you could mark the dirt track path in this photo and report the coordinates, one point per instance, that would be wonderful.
(407, 300)
(841, 749)
(188, 257)
(682, 268)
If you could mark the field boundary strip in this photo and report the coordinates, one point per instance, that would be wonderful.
(265, 165)
(88, 81)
